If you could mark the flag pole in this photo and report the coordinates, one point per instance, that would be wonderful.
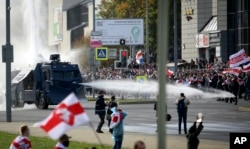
(98, 138)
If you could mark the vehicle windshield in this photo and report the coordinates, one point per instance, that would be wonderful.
(65, 75)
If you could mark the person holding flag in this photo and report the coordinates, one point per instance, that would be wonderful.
(117, 125)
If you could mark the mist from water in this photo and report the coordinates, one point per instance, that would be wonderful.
(151, 87)
(29, 32)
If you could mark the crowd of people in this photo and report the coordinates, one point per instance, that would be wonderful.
(237, 84)
(210, 76)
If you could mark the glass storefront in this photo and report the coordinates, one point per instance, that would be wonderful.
(239, 25)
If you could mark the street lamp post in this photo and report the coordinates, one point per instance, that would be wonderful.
(147, 44)
(7, 57)
(162, 45)
(93, 67)
(175, 37)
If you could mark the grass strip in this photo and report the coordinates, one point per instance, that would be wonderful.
(45, 142)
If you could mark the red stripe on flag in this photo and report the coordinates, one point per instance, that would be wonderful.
(56, 118)
(115, 119)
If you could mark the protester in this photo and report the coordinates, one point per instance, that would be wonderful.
(22, 141)
(182, 108)
(111, 104)
(193, 133)
(118, 127)
(139, 145)
(63, 142)
(100, 110)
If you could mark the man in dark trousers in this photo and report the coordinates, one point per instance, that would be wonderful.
(182, 107)
(193, 133)
(100, 110)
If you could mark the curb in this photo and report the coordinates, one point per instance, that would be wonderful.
(137, 102)
(244, 109)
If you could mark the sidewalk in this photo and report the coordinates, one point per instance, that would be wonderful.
(85, 134)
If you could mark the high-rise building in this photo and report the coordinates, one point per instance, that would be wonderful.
(214, 28)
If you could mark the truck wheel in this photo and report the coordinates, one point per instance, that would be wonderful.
(41, 102)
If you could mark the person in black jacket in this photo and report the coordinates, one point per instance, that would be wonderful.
(192, 136)
(100, 110)
(111, 104)
(234, 89)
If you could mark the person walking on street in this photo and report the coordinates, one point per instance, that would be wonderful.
(182, 108)
(100, 110)
(193, 133)
(118, 127)
(63, 142)
(111, 104)
(22, 141)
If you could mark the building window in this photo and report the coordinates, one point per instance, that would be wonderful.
(76, 16)
(231, 6)
(243, 36)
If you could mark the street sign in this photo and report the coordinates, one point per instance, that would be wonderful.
(101, 53)
(141, 79)
(112, 53)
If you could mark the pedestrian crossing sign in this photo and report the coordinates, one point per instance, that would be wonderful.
(101, 53)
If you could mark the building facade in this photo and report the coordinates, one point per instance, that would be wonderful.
(68, 20)
(214, 28)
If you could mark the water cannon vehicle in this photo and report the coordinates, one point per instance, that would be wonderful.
(48, 84)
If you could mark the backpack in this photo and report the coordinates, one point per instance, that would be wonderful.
(181, 105)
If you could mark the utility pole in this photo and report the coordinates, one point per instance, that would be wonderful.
(93, 67)
(162, 45)
(7, 57)
(147, 44)
(175, 38)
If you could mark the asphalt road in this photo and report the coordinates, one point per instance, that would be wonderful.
(219, 118)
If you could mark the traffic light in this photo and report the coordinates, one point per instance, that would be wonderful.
(124, 55)
(122, 42)
(122, 62)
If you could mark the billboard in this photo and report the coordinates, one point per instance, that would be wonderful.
(58, 24)
(202, 41)
(132, 30)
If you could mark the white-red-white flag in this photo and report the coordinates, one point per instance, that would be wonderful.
(238, 58)
(67, 115)
(116, 117)
(235, 71)
(169, 72)
(246, 68)
(139, 57)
